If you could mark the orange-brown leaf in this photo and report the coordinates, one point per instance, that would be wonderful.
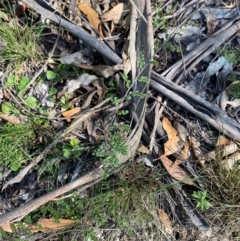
(175, 171)
(172, 145)
(92, 16)
(184, 155)
(70, 113)
(43, 225)
(50, 224)
(7, 227)
(165, 221)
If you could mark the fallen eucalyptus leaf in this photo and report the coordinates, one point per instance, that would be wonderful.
(116, 14)
(175, 171)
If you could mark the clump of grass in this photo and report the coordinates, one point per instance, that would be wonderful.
(118, 203)
(20, 41)
(223, 186)
(16, 142)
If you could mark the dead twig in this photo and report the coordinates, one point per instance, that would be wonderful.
(213, 115)
(19, 213)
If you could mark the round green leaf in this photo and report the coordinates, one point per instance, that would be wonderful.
(7, 108)
(31, 101)
(51, 75)
(74, 142)
(24, 81)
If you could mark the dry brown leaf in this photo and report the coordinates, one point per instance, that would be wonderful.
(70, 113)
(101, 88)
(222, 142)
(175, 171)
(92, 16)
(7, 227)
(172, 145)
(229, 162)
(11, 118)
(21, 8)
(211, 24)
(106, 71)
(43, 225)
(227, 151)
(116, 14)
(50, 224)
(165, 221)
(184, 155)
(195, 144)
(125, 56)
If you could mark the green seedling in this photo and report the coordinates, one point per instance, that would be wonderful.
(11, 81)
(51, 75)
(109, 150)
(23, 83)
(202, 202)
(31, 101)
(8, 108)
(72, 149)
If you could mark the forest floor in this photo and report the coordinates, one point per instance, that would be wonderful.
(120, 120)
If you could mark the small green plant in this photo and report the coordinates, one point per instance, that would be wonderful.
(134, 94)
(72, 149)
(235, 90)
(9, 108)
(231, 55)
(63, 71)
(12, 82)
(111, 147)
(16, 142)
(202, 202)
(126, 80)
(159, 19)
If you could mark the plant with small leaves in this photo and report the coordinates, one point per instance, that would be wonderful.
(202, 202)
(126, 80)
(108, 151)
(72, 149)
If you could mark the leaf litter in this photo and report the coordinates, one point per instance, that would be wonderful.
(76, 90)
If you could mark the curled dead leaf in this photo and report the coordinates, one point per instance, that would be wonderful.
(70, 113)
(230, 161)
(92, 16)
(184, 155)
(173, 144)
(175, 171)
(221, 144)
(116, 14)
